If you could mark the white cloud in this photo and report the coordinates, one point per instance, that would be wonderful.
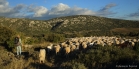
(59, 9)
(6, 10)
(81, 11)
(3, 3)
(33, 11)
(40, 11)
(4, 6)
(64, 10)
(19, 7)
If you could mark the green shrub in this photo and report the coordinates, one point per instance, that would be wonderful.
(73, 65)
(10, 43)
(103, 57)
(5, 34)
(136, 47)
(6, 37)
(29, 41)
(78, 66)
(55, 37)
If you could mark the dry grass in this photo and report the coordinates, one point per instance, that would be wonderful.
(125, 30)
(8, 60)
(43, 44)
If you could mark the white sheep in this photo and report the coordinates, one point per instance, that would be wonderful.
(49, 48)
(98, 42)
(109, 43)
(77, 47)
(134, 40)
(67, 50)
(57, 49)
(103, 44)
(117, 42)
(42, 55)
(132, 43)
(91, 44)
(73, 47)
(77, 43)
(64, 45)
(84, 45)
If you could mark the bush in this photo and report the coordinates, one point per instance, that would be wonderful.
(78, 66)
(6, 37)
(107, 57)
(55, 37)
(73, 65)
(10, 43)
(30, 40)
(5, 34)
(136, 47)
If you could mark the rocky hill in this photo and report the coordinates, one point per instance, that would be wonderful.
(25, 25)
(84, 24)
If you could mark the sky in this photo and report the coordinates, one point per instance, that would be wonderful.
(47, 9)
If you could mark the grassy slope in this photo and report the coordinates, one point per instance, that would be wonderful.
(70, 24)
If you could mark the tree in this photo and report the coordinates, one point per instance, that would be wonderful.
(6, 37)
(5, 34)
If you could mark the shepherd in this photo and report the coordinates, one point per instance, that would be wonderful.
(18, 44)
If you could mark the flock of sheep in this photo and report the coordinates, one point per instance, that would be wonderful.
(84, 43)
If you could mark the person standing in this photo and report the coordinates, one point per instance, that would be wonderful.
(18, 44)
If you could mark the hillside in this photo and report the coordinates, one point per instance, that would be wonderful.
(56, 31)
(81, 24)
(91, 25)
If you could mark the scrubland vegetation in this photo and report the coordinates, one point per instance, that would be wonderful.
(108, 57)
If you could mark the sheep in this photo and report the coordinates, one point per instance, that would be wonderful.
(117, 42)
(98, 42)
(137, 40)
(132, 43)
(80, 40)
(42, 55)
(63, 45)
(73, 47)
(69, 42)
(122, 41)
(91, 44)
(77, 47)
(103, 40)
(77, 43)
(57, 49)
(134, 40)
(67, 50)
(83, 45)
(103, 44)
(109, 43)
(125, 44)
(49, 48)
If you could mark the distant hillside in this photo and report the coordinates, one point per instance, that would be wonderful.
(81, 24)
(26, 26)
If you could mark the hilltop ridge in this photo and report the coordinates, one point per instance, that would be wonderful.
(83, 24)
